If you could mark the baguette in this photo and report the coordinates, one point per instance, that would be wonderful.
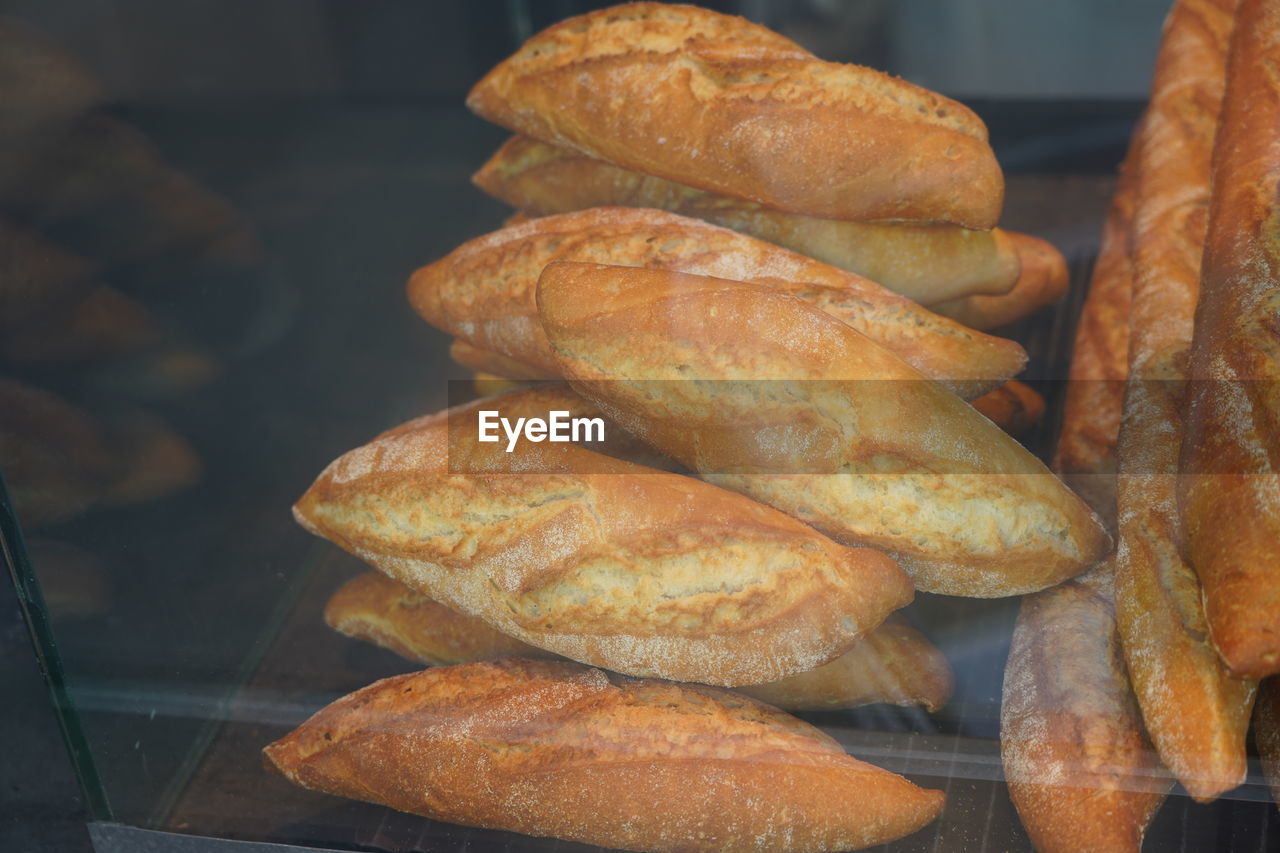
(1015, 407)
(1081, 771)
(894, 663)
(1266, 728)
(926, 262)
(1043, 280)
(484, 291)
(764, 394)
(1232, 488)
(1196, 713)
(379, 610)
(496, 364)
(557, 749)
(602, 561)
(1086, 453)
(724, 105)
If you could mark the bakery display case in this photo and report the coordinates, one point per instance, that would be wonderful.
(236, 252)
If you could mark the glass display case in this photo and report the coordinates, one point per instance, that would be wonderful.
(210, 213)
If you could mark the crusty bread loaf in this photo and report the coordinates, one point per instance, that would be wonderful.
(1015, 407)
(926, 262)
(721, 104)
(1196, 713)
(894, 663)
(763, 393)
(1231, 496)
(1081, 771)
(1043, 280)
(1266, 731)
(1086, 453)
(600, 560)
(484, 361)
(380, 610)
(483, 291)
(557, 749)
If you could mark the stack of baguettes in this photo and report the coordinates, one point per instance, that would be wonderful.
(790, 451)
(1171, 430)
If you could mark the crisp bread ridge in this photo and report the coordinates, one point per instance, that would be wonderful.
(1081, 770)
(852, 440)
(484, 291)
(599, 560)
(753, 121)
(562, 750)
(894, 663)
(928, 262)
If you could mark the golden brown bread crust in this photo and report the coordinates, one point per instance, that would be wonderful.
(1043, 279)
(600, 560)
(484, 291)
(1081, 771)
(1231, 496)
(495, 364)
(1196, 713)
(557, 749)
(894, 663)
(719, 103)
(1015, 407)
(1266, 731)
(807, 415)
(488, 384)
(1086, 452)
(926, 262)
(379, 610)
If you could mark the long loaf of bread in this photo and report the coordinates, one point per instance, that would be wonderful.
(926, 262)
(1086, 453)
(484, 291)
(1231, 456)
(894, 663)
(764, 394)
(380, 610)
(716, 102)
(557, 749)
(1081, 771)
(1043, 280)
(596, 559)
(1196, 713)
